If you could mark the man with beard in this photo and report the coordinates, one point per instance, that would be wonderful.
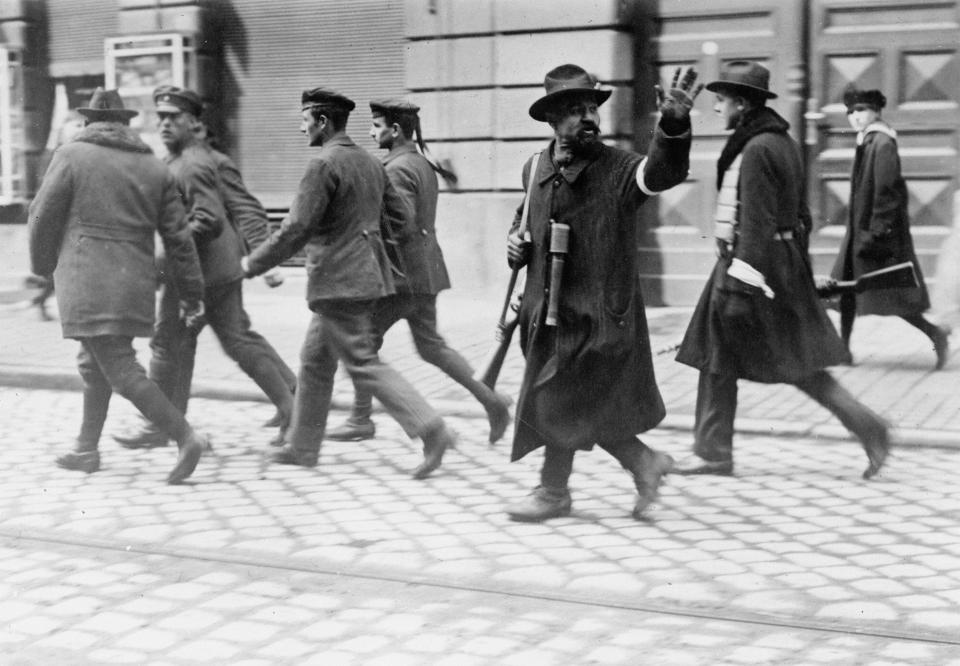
(220, 248)
(396, 127)
(337, 215)
(878, 226)
(759, 317)
(589, 375)
(92, 224)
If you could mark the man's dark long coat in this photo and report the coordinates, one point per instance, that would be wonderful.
(788, 337)
(591, 378)
(878, 226)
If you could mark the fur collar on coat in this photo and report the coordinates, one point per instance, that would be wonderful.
(112, 135)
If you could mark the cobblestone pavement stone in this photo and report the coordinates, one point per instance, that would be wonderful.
(795, 560)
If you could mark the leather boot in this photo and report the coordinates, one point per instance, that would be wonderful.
(941, 345)
(80, 461)
(877, 446)
(191, 448)
(435, 444)
(150, 437)
(647, 478)
(498, 413)
(291, 456)
(352, 430)
(540, 505)
(274, 421)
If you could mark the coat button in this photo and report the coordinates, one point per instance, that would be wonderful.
(621, 323)
(423, 232)
(556, 182)
(365, 234)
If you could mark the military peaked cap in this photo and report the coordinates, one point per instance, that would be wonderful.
(325, 97)
(393, 106)
(170, 99)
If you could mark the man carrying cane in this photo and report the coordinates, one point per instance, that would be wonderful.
(589, 373)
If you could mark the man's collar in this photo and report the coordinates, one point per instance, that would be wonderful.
(339, 139)
(395, 152)
(570, 172)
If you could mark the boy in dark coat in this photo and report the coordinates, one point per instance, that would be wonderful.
(759, 317)
(589, 378)
(878, 226)
(92, 225)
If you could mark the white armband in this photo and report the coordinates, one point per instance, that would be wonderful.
(642, 185)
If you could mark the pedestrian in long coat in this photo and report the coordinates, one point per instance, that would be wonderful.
(759, 317)
(589, 378)
(92, 225)
(878, 226)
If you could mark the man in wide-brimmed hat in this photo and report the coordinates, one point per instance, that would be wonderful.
(759, 317)
(878, 225)
(589, 372)
(92, 225)
(413, 174)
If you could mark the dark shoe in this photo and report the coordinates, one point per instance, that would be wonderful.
(435, 444)
(877, 447)
(291, 456)
(654, 466)
(149, 438)
(281, 437)
(694, 464)
(540, 505)
(274, 421)
(352, 431)
(498, 413)
(80, 461)
(941, 345)
(191, 449)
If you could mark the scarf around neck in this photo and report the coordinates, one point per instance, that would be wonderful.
(756, 121)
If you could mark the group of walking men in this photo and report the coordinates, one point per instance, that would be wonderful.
(367, 229)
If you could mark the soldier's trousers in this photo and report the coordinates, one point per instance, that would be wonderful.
(342, 331)
(717, 408)
(174, 347)
(420, 311)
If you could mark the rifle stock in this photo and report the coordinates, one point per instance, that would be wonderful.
(489, 371)
(896, 276)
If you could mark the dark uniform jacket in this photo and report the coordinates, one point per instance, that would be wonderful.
(415, 183)
(92, 224)
(218, 242)
(735, 329)
(878, 226)
(336, 216)
(244, 210)
(591, 378)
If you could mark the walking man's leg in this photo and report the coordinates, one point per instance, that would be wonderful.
(713, 426)
(551, 499)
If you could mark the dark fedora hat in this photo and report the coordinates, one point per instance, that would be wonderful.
(106, 105)
(872, 98)
(562, 81)
(744, 76)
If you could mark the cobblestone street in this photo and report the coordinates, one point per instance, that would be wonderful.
(795, 560)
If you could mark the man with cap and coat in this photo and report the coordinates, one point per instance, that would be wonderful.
(878, 226)
(396, 128)
(759, 317)
(343, 199)
(220, 248)
(92, 224)
(589, 375)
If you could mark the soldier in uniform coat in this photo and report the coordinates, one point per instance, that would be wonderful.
(220, 247)
(337, 215)
(589, 379)
(878, 226)
(92, 224)
(759, 317)
(414, 177)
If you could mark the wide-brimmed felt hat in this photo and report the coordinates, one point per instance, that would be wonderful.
(106, 105)
(872, 98)
(562, 81)
(321, 96)
(170, 99)
(745, 76)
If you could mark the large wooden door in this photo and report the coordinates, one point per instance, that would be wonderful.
(678, 250)
(908, 50)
